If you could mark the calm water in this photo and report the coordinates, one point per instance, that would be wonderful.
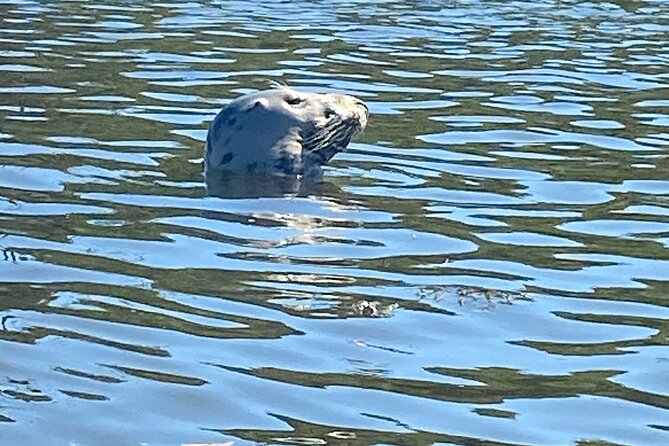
(487, 265)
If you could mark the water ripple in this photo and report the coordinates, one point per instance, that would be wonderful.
(486, 264)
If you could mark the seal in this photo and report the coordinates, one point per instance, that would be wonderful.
(283, 131)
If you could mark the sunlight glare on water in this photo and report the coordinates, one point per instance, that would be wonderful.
(487, 264)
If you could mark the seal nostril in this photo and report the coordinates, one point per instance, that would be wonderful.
(361, 103)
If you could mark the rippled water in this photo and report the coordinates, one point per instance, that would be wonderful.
(486, 265)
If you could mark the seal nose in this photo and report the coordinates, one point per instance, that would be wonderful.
(362, 113)
(360, 102)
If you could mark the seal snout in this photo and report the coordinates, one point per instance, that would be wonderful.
(361, 103)
(354, 111)
(364, 116)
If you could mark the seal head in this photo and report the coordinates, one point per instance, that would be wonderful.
(283, 131)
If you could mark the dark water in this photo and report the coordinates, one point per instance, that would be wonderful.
(487, 265)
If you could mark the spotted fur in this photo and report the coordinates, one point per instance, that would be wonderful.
(283, 131)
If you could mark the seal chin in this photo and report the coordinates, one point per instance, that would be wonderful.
(283, 131)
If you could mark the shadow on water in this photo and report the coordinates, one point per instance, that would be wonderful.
(245, 185)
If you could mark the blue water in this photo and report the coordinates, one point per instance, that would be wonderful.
(487, 264)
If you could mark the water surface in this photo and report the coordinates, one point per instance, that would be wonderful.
(486, 265)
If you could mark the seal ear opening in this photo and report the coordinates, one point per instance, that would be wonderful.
(260, 104)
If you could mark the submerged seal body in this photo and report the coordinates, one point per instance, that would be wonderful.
(283, 131)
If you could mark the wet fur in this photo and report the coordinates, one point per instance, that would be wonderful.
(282, 131)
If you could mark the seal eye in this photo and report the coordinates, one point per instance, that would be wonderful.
(294, 100)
